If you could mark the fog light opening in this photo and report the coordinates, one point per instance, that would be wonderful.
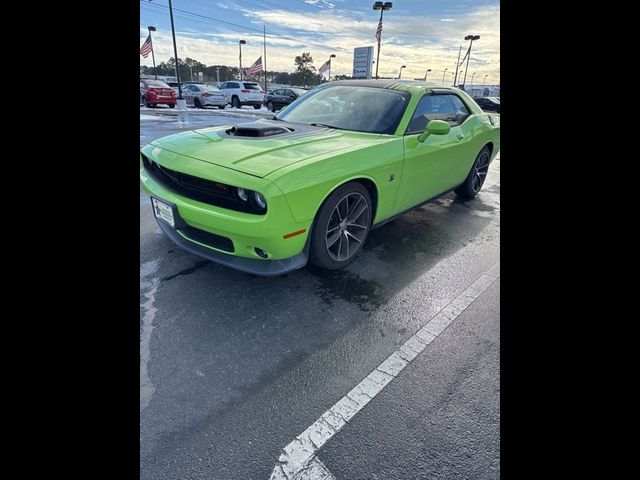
(261, 253)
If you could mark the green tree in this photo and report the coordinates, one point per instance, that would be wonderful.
(305, 73)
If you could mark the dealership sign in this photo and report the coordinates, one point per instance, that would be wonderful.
(362, 62)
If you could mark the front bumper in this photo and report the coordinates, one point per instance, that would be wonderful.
(260, 267)
(245, 231)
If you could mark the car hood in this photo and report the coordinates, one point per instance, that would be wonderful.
(260, 156)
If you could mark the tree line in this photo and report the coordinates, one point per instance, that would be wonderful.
(305, 73)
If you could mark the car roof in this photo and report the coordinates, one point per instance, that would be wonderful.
(413, 86)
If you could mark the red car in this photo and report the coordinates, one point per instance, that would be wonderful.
(155, 92)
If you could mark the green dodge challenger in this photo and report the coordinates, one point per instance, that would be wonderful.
(309, 184)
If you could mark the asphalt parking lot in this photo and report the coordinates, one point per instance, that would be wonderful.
(234, 367)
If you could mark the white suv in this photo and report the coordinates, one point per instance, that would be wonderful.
(243, 93)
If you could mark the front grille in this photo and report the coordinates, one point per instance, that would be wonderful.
(200, 189)
(207, 238)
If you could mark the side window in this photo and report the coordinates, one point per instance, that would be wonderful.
(289, 93)
(232, 85)
(460, 109)
(224, 85)
(279, 92)
(431, 107)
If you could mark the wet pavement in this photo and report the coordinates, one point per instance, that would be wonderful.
(234, 366)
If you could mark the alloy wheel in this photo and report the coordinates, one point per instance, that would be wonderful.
(480, 171)
(347, 227)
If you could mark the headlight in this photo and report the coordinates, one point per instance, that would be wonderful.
(242, 194)
(260, 201)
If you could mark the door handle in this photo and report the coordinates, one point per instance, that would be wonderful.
(460, 136)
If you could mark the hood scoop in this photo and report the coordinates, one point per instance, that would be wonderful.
(256, 129)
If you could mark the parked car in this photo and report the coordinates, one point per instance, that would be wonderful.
(173, 85)
(489, 104)
(200, 96)
(243, 93)
(156, 92)
(267, 196)
(276, 99)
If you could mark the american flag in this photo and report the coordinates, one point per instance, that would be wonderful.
(146, 47)
(326, 66)
(255, 68)
(379, 30)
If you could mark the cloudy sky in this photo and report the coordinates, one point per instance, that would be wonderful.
(420, 34)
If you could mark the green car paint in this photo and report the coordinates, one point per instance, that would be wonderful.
(298, 171)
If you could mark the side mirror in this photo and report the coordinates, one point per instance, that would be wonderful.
(435, 127)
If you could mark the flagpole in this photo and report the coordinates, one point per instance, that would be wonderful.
(175, 52)
(264, 40)
(153, 56)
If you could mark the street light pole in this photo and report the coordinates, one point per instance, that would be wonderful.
(443, 74)
(455, 78)
(485, 79)
(382, 7)
(426, 73)
(400, 74)
(240, 43)
(153, 55)
(472, 38)
(333, 55)
(175, 52)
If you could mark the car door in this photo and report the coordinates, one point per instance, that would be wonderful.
(223, 89)
(187, 94)
(277, 97)
(441, 162)
(289, 96)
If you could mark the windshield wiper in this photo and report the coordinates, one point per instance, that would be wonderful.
(325, 125)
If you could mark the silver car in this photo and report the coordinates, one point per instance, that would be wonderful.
(201, 96)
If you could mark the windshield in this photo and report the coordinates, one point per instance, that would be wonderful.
(299, 91)
(349, 107)
(208, 88)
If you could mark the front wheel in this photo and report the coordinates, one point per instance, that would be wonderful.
(221, 107)
(341, 226)
(478, 174)
(270, 107)
(235, 102)
(257, 107)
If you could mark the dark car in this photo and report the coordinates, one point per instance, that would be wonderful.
(276, 99)
(489, 104)
(155, 92)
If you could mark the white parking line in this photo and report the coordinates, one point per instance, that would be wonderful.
(298, 460)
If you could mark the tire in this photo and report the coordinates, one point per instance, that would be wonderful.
(145, 102)
(270, 107)
(221, 107)
(235, 102)
(172, 105)
(257, 107)
(196, 103)
(328, 250)
(478, 174)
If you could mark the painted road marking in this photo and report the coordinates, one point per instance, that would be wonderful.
(298, 460)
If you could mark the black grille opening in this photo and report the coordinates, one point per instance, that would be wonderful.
(200, 189)
(257, 129)
(208, 238)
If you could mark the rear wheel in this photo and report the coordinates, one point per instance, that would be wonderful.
(270, 107)
(145, 102)
(196, 102)
(172, 105)
(341, 226)
(221, 107)
(257, 107)
(477, 175)
(235, 102)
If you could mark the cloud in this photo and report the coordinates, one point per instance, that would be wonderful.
(420, 42)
